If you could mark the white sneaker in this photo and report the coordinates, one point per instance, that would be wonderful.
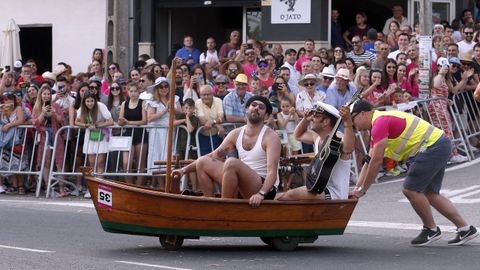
(3, 189)
(87, 195)
(401, 169)
(458, 159)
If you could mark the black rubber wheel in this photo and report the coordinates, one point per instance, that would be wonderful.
(171, 242)
(285, 243)
(267, 240)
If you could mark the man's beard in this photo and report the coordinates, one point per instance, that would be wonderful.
(232, 75)
(8, 83)
(178, 81)
(254, 119)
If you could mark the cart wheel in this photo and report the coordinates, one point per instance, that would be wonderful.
(285, 243)
(171, 242)
(267, 240)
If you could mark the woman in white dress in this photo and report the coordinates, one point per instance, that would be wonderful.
(158, 115)
(95, 117)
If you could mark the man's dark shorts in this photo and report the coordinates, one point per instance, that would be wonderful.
(271, 194)
(427, 168)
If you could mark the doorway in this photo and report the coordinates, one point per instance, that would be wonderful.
(202, 23)
(36, 43)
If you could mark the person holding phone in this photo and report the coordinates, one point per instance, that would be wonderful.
(47, 119)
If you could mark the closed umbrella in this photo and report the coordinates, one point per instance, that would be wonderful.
(11, 45)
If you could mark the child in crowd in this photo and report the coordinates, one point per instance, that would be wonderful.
(255, 86)
(288, 119)
(264, 92)
(184, 151)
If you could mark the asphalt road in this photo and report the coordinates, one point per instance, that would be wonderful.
(65, 234)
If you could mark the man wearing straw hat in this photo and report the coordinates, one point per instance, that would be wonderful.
(245, 162)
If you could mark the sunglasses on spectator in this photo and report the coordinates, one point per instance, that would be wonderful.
(141, 80)
(163, 86)
(261, 106)
(306, 84)
(112, 68)
(466, 64)
(220, 83)
(91, 87)
(114, 88)
(17, 94)
(327, 78)
(355, 42)
(232, 69)
(468, 33)
(262, 65)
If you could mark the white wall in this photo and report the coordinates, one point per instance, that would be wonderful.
(78, 26)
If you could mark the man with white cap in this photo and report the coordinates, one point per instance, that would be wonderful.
(341, 92)
(309, 96)
(328, 74)
(234, 102)
(322, 119)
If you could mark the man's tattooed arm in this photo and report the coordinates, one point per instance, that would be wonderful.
(224, 153)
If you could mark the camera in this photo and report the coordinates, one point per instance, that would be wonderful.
(275, 87)
(24, 85)
(249, 46)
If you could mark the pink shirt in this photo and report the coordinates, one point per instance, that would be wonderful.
(387, 127)
(298, 64)
(248, 70)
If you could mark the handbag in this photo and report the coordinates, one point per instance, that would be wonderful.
(96, 135)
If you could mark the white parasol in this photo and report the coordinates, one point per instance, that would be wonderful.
(11, 45)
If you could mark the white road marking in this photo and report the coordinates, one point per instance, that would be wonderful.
(27, 249)
(395, 225)
(87, 204)
(153, 265)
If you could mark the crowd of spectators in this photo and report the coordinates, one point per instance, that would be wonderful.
(213, 87)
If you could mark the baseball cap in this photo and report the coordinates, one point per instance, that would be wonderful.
(362, 106)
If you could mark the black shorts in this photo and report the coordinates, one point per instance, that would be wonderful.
(272, 193)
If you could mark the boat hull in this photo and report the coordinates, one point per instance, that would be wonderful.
(128, 209)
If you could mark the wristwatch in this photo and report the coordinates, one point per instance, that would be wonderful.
(263, 193)
(361, 190)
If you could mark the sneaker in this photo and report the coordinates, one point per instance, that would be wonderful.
(392, 172)
(400, 169)
(3, 189)
(87, 195)
(426, 237)
(458, 159)
(463, 236)
(77, 191)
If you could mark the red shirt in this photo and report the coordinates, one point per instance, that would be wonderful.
(387, 127)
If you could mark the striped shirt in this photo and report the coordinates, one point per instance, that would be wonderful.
(359, 58)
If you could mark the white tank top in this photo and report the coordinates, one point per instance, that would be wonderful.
(256, 157)
(340, 179)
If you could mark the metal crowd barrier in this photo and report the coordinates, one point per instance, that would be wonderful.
(421, 108)
(468, 114)
(116, 146)
(19, 158)
(227, 126)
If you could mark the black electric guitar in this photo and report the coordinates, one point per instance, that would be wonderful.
(321, 167)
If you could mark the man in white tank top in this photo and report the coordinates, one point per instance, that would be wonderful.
(323, 118)
(254, 170)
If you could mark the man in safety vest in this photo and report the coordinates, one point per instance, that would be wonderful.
(400, 136)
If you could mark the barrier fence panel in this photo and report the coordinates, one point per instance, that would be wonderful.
(108, 153)
(439, 112)
(19, 153)
(468, 116)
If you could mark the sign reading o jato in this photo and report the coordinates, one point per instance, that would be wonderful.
(291, 11)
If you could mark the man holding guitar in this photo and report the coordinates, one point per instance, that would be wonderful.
(401, 136)
(324, 118)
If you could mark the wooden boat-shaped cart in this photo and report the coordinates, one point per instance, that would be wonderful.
(128, 209)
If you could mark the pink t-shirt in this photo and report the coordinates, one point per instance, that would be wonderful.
(298, 64)
(248, 70)
(387, 127)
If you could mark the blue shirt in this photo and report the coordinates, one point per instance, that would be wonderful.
(186, 55)
(335, 99)
(233, 106)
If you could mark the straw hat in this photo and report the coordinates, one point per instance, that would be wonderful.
(241, 78)
(466, 57)
(150, 62)
(343, 73)
(309, 77)
(49, 75)
(328, 72)
(59, 70)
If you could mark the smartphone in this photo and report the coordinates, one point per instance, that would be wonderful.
(249, 46)
(47, 103)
